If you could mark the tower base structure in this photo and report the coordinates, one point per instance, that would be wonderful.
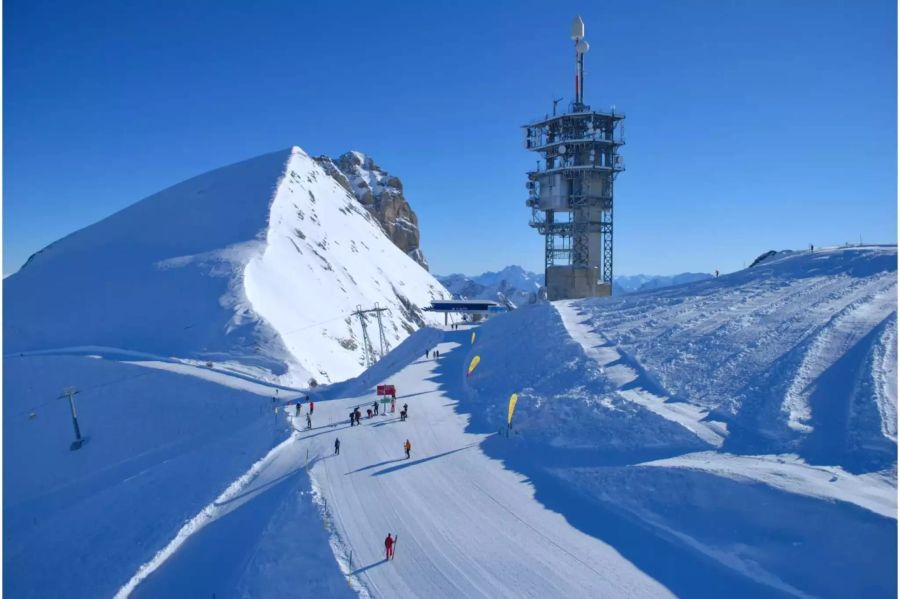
(572, 282)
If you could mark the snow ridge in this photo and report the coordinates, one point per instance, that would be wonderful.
(258, 265)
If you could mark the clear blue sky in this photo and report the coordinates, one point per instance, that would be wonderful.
(751, 125)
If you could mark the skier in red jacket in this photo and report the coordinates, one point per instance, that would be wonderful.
(389, 547)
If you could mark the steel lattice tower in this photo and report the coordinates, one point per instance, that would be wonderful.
(571, 190)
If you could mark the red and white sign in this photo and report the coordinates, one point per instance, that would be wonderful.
(386, 390)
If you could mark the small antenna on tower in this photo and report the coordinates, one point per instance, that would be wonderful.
(581, 47)
(555, 102)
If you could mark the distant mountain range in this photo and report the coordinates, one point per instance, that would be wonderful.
(516, 285)
(513, 284)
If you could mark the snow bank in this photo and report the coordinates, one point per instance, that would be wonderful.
(565, 400)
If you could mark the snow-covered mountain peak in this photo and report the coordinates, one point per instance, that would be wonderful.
(258, 265)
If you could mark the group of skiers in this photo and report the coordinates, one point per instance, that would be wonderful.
(356, 414)
(312, 407)
(432, 354)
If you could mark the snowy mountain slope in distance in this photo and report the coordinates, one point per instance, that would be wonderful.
(255, 266)
(517, 284)
(795, 354)
(513, 283)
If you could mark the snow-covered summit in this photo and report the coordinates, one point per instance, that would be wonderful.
(382, 195)
(257, 265)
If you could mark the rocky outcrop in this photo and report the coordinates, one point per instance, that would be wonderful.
(382, 195)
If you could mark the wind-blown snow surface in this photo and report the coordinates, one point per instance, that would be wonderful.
(673, 412)
(255, 266)
(795, 354)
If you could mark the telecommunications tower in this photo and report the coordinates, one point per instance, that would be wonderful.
(571, 189)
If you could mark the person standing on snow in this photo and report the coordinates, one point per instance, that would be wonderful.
(337, 447)
(298, 408)
(352, 418)
(389, 547)
(407, 447)
(308, 422)
(311, 406)
(375, 408)
(393, 402)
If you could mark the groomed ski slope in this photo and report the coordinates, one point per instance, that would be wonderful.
(467, 526)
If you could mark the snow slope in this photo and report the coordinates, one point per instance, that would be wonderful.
(631, 475)
(466, 526)
(792, 355)
(160, 446)
(342, 259)
(255, 266)
(607, 486)
(593, 494)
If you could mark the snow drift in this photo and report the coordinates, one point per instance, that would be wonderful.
(256, 266)
(795, 354)
(747, 421)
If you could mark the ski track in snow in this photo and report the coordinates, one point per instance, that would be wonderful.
(790, 473)
(624, 377)
(491, 538)
(253, 482)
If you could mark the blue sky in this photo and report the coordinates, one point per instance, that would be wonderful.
(750, 125)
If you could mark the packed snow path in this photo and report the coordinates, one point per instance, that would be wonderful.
(466, 526)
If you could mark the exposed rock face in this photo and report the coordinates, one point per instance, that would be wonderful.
(382, 195)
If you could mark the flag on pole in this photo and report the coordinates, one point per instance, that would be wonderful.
(473, 364)
(512, 407)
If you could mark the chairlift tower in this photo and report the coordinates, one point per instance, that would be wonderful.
(571, 189)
